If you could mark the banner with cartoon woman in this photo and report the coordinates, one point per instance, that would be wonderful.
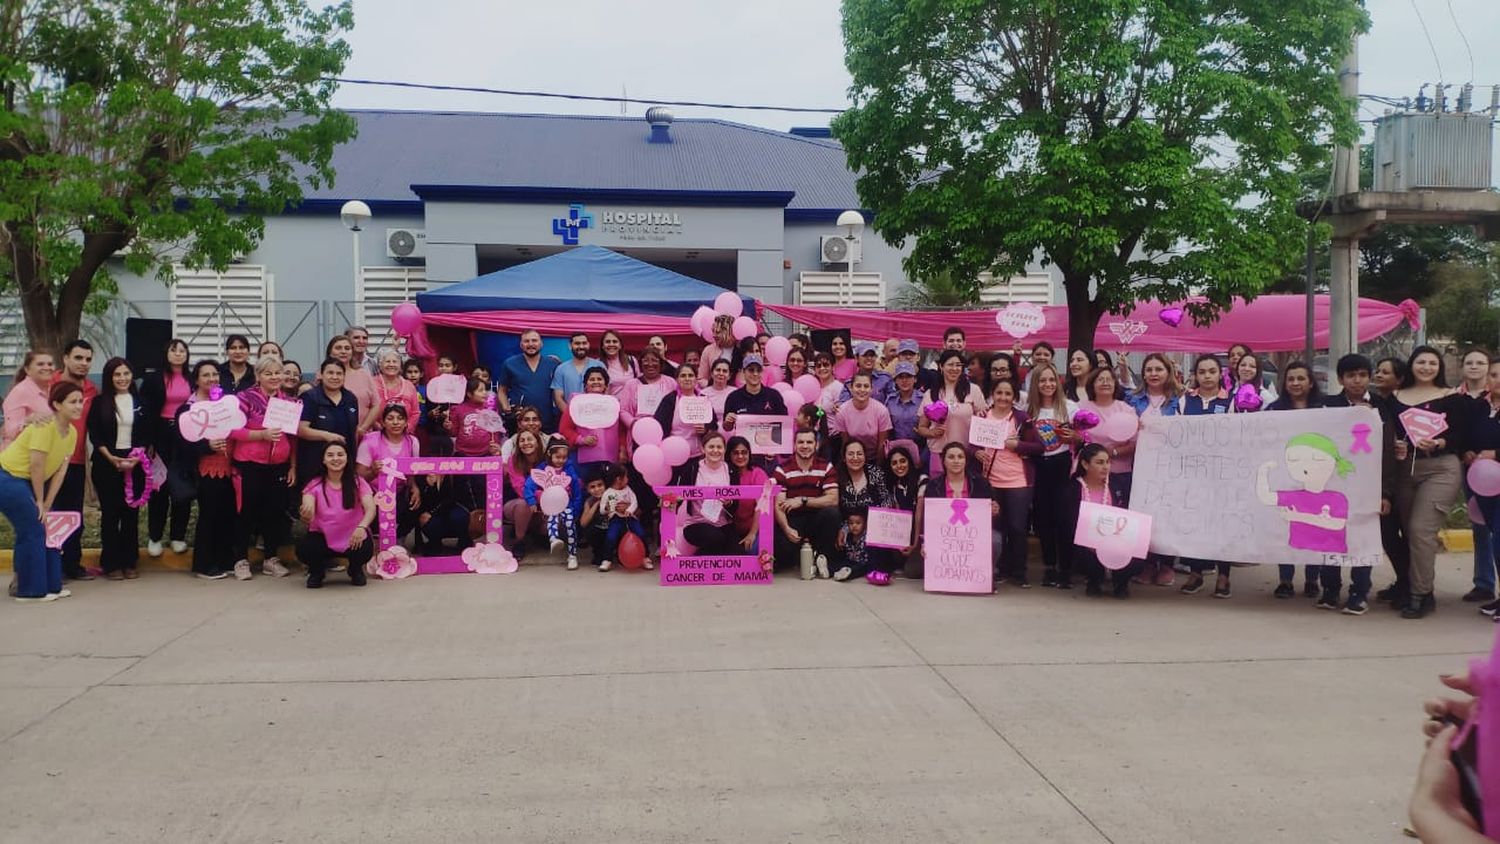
(1298, 487)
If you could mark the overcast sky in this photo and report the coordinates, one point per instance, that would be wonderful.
(777, 52)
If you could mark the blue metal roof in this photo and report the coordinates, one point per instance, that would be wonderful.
(398, 149)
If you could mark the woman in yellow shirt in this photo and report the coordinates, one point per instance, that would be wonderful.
(31, 472)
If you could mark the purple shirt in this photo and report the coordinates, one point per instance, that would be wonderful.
(1306, 537)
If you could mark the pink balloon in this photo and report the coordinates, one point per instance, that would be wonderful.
(808, 387)
(708, 333)
(1120, 427)
(729, 304)
(405, 318)
(789, 394)
(646, 431)
(1475, 516)
(703, 319)
(770, 376)
(675, 450)
(744, 327)
(777, 348)
(658, 476)
(649, 458)
(1484, 477)
(554, 500)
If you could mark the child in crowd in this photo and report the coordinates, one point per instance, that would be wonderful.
(621, 511)
(445, 365)
(562, 527)
(591, 520)
(852, 541)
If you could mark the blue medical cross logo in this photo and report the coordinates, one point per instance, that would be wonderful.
(568, 227)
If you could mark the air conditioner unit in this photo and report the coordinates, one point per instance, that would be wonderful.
(837, 249)
(405, 243)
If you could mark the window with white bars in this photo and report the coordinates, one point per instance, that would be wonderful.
(381, 290)
(13, 339)
(842, 290)
(1031, 287)
(208, 306)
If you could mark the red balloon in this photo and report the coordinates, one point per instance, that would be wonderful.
(632, 551)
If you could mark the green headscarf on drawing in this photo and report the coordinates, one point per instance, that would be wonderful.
(1325, 445)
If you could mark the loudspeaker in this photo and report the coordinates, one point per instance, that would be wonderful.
(146, 343)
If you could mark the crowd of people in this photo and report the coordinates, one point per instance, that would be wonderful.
(886, 426)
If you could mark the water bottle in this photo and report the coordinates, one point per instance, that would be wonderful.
(805, 558)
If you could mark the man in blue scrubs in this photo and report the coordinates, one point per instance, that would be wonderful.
(526, 379)
(567, 381)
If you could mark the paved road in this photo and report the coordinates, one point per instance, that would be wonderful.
(558, 707)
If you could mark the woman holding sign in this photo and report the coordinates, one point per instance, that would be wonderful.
(1091, 483)
(120, 430)
(1010, 474)
(862, 485)
(709, 525)
(31, 472)
(593, 447)
(1300, 392)
(266, 465)
(948, 407)
(1432, 475)
(956, 481)
(204, 469)
(908, 485)
(682, 411)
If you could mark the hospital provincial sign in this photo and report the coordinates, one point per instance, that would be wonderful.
(638, 225)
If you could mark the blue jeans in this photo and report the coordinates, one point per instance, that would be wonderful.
(1309, 573)
(38, 568)
(1484, 558)
(1359, 580)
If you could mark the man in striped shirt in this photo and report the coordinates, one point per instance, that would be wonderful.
(807, 510)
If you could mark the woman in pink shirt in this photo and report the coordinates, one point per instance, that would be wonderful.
(391, 387)
(671, 420)
(265, 466)
(620, 366)
(1010, 473)
(378, 450)
(1102, 390)
(843, 363)
(964, 400)
(719, 386)
(163, 393)
(861, 418)
(592, 447)
(339, 508)
(27, 400)
(644, 392)
(830, 388)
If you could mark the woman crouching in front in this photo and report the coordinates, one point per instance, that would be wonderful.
(339, 508)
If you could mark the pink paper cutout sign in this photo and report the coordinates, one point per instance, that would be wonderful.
(888, 528)
(956, 535)
(1116, 535)
(446, 389)
(493, 469)
(211, 420)
(1423, 424)
(695, 410)
(767, 434)
(988, 433)
(488, 420)
(60, 525)
(1021, 319)
(594, 410)
(283, 415)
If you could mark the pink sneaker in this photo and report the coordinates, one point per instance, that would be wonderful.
(1164, 575)
(1147, 574)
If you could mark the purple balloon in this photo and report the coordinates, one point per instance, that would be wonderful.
(1247, 397)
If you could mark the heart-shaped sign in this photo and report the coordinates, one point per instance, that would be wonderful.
(594, 410)
(211, 420)
(62, 524)
(488, 420)
(446, 389)
(1021, 319)
(1172, 316)
(1423, 424)
(1127, 332)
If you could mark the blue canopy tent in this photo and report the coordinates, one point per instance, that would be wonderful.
(586, 289)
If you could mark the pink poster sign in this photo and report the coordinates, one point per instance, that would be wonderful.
(956, 535)
(283, 415)
(1116, 535)
(680, 567)
(767, 434)
(888, 528)
(1423, 424)
(695, 410)
(60, 525)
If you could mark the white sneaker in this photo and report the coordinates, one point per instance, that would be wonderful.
(218, 575)
(604, 566)
(153, 548)
(242, 570)
(42, 600)
(274, 568)
(64, 593)
(178, 546)
(555, 544)
(821, 563)
(572, 562)
(843, 574)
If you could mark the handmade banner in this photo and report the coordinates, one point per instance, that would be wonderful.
(679, 569)
(988, 433)
(956, 534)
(888, 528)
(695, 410)
(1116, 535)
(283, 415)
(767, 434)
(488, 553)
(1299, 487)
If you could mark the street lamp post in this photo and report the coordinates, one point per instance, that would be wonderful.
(852, 222)
(354, 214)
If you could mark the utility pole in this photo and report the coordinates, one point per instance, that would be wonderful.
(1343, 282)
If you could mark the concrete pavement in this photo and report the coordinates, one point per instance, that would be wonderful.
(563, 707)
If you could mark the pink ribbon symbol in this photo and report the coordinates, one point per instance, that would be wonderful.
(390, 476)
(1361, 435)
(959, 512)
(763, 504)
(672, 552)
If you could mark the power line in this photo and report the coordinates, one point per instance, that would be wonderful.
(1467, 49)
(475, 89)
(1430, 45)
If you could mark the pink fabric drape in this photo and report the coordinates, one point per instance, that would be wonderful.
(636, 328)
(1268, 324)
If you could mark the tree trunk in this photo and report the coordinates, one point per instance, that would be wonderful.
(1083, 314)
(50, 324)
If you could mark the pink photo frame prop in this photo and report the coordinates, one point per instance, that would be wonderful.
(737, 570)
(493, 469)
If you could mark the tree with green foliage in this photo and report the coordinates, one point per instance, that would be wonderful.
(935, 292)
(1150, 149)
(161, 129)
(1466, 305)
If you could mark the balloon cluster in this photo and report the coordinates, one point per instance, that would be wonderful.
(1247, 397)
(656, 455)
(725, 304)
(937, 411)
